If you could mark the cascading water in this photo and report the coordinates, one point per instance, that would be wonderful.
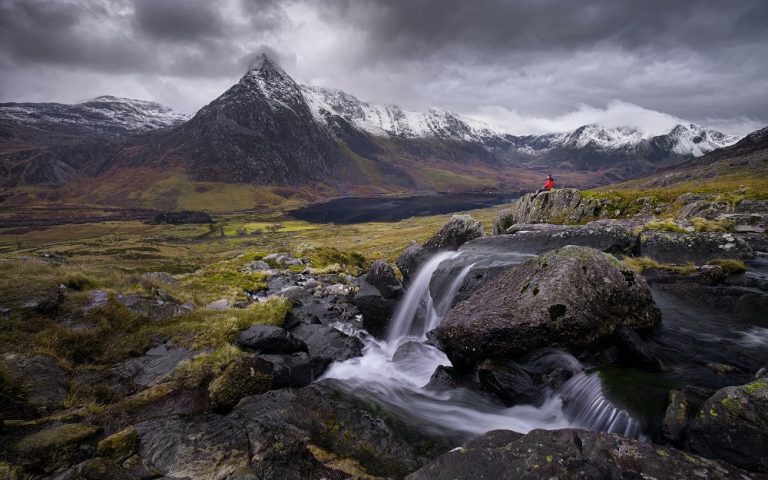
(394, 372)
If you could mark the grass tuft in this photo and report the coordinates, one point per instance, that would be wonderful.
(666, 225)
(641, 264)
(704, 225)
(731, 266)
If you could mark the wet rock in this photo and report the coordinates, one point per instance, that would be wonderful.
(158, 277)
(732, 426)
(283, 453)
(153, 367)
(563, 205)
(45, 443)
(328, 343)
(199, 447)
(635, 351)
(571, 298)
(571, 454)
(699, 248)
(609, 236)
(268, 339)
(508, 381)
(245, 376)
(39, 378)
(723, 369)
(295, 370)
(459, 230)
(120, 445)
(346, 426)
(411, 259)
(682, 408)
(444, 379)
(96, 469)
(377, 299)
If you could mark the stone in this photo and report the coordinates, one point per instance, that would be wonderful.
(562, 205)
(699, 248)
(459, 230)
(269, 339)
(196, 447)
(256, 266)
(153, 367)
(245, 376)
(219, 305)
(158, 307)
(328, 343)
(571, 454)
(96, 469)
(732, 426)
(295, 370)
(571, 298)
(40, 379)
(49, 440)
(635, 351)
(507, 381)
(410, 260)
(120, 445)
(610, 236)
(378, 297)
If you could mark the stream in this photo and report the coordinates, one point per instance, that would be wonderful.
(394, 373)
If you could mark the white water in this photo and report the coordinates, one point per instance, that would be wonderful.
(393, 373)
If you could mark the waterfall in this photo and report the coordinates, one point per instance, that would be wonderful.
(393, 372)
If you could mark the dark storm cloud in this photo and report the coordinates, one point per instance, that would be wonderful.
(516, 63)
(186, 38)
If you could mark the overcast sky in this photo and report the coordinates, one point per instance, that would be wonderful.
(525, 66)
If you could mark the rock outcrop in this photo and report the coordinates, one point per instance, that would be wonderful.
(377, 299)
(562, 205)
(572, 454)
(571, 298)
(459, 230)
(672, 247)
(732, 426)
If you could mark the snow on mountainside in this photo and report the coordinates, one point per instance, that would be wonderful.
(384, 120)
(105, 115)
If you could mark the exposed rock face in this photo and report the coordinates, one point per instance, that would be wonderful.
(295, 370)
(39, 378)
(671, 247)
(378, 296)
(732, 426)
(328, 343)
(459, 230)
(268, 339)
(507, 381)
(244, 376)
(96, 469)
(206, 446)
(340, 423)
(682, 408)
(606, 235)
(570, 298)
(572, 454)
(562, 205)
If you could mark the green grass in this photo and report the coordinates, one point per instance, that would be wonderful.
(704, 225)
(666, 225)
(731, 266)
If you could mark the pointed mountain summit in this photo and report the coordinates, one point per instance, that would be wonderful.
(259, 131)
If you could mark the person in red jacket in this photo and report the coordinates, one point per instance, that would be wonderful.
(548, 185)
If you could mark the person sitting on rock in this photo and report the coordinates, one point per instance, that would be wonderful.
(548, 185)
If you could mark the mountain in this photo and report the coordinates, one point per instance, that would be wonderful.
(269, 132)
(101, 117)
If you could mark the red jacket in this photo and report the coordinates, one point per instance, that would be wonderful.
(549, 184)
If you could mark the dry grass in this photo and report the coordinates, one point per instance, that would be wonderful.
(666, 225)
(641, 264)
(704, 225)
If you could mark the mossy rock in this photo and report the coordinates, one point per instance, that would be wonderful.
(55, 438)
(245, 376)
(120, 445)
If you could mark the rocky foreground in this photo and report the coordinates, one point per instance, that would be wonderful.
(255, 409)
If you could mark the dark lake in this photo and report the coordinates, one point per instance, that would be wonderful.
(388, 209)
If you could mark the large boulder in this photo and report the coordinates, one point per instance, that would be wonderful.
(459, 230)
(732, 426)
(268, 339)
(570, 454)
(607, 235)
(295, 370)
(244, 376)
(199, 447)
(562, 205)
(508, 381)
(341, 424)
(571, 298)
(328, 343)
(377, 299)
(699, 248)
